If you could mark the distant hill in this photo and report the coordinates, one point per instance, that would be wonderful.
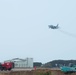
(58, 63)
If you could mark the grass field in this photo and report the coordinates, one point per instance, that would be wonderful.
(36, 72)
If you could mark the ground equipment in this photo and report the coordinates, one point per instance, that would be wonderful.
(6, 66)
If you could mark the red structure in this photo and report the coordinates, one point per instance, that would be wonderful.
(6, 66)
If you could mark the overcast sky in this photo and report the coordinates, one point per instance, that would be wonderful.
(24, 29)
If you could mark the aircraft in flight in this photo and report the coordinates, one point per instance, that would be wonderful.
(53, 27)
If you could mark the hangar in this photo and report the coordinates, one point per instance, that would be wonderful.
(22, 63)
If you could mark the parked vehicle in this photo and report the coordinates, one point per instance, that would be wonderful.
(6, 66)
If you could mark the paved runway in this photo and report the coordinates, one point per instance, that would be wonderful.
(27, 69)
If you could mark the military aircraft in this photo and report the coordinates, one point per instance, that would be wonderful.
(53, 27)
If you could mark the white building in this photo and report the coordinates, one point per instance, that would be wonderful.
(22, 63)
